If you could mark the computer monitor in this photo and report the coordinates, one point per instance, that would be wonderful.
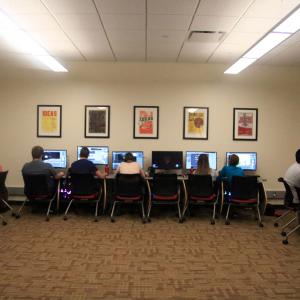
(118, 157)
(98, 154)
(167, 160)
(57, 158)
(191, 159)
(247, 160)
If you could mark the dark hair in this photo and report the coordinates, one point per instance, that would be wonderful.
(84, 152)
(298, 156)
(37, 152)
(129, 157)
(203, 164)
(233, 160)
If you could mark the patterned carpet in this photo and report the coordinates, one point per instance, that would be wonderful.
(81, 259)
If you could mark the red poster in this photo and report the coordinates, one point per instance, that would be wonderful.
(145, 122)
(245, 124)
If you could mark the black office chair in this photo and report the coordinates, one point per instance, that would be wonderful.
(129, 188)
(85, 188)
(4, 196)
(292, 212)
(37, 190)
(165, 190)
(244, 192)
(201, 191)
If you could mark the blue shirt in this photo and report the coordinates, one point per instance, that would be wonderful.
(83, 166)
(229, 171)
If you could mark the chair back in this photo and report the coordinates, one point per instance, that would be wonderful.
(200, 185)
(244, 187)
(288, 196)
(129, 185)
(3, 176)
(83, 184)
(36, 185)
(165, 184)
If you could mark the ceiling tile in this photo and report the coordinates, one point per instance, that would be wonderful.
(174, 22)
(79, 21)
(177, 7)
(166, 36)
(121, 7)
(124, 21)
(225, 8)
(70, 6)
(196, 52)
(121, 36)
(227, 53)
(213, 23)
(23, 7)
(250, 25)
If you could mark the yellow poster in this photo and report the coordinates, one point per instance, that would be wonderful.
(49, 121)
(196, 122)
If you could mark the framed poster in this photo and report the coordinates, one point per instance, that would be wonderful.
(145, 124)
(49, 120)
(245, 122)
(96, 121)
(195, 123)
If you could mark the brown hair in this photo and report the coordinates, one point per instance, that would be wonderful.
(37, 152)
(203, 165)
(233, 160)
(84, 152)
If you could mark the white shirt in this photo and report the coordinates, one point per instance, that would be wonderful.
(129, 168)
(292, 177)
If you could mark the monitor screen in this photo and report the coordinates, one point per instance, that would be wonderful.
(98, 154)
(167, 160)
(57, 158)
(191, 159)
(118, 157)
(247, 160)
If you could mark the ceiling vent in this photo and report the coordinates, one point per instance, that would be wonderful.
(206, 36)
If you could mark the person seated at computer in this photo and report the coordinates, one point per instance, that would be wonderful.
(203, 167)
(37, 167)
(232, 169)
(84, 166)
(130, 166)
(292, 176)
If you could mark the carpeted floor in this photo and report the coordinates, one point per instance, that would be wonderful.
(81, 259)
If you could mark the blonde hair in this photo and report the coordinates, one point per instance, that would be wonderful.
(203, 165)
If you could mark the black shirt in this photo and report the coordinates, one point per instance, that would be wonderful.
(83, 166)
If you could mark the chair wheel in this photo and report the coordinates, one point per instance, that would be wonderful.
(47, 219)
(4, 223)
(17, 216)
(65, 218)
(112, 220)
(227, 222)
(180, 220)
(212, 222)
(13, 214)
(149, 220)
(283, 233)
(96, 220)
(276, 224)
(144, 220)
(261, 225)
(285, 242)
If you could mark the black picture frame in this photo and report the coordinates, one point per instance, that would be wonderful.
(245, 124)
(49, 121)
(97, 121)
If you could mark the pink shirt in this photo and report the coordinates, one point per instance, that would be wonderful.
(130, 168)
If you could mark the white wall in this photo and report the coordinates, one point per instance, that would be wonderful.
(274, 91)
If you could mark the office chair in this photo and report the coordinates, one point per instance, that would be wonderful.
(244, 191)
(292, 212)
(291, 208)
(85, 188)
(4, 196)
(129, 188)
(201, 191)
(37, 190)
(165, 190)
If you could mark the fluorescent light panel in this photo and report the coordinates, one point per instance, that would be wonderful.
(22, 41)
(283, 31)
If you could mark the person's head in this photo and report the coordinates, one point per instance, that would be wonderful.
(298, 156)
(37, 152)
(84, 152)
(233, 160)
(203, 163)
(129, 157)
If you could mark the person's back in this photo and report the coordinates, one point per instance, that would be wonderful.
(232, 170)
(292, 176)
(38, 167)
(130, 166)
(203, 167)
